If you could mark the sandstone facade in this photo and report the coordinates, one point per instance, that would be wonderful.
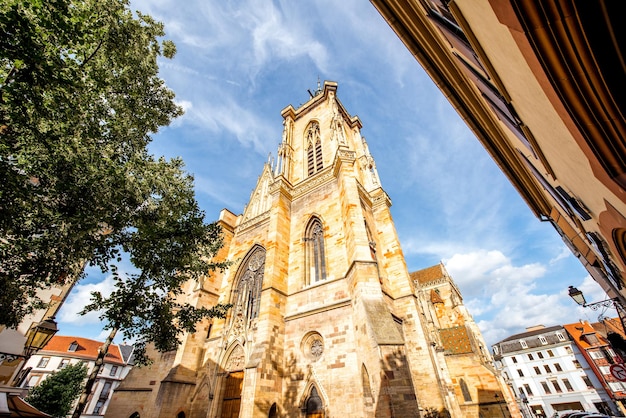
(327, 321)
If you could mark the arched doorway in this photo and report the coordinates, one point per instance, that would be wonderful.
(231, 402)
(314, 405)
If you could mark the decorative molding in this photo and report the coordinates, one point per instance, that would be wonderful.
(253, 222)
(337, 305)
(323, 177)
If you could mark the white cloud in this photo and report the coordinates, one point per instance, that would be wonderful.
(80, 297)
(563, 254)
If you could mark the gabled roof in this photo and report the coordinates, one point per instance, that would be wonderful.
(428, 275)
(87, 349)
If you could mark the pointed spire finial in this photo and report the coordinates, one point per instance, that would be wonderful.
(318, 91)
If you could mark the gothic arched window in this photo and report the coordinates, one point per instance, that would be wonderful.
(465, 390)
(315, 254)
(248, 288)
(313, 148)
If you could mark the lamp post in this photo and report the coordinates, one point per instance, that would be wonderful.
(37, 337)
(579, 298)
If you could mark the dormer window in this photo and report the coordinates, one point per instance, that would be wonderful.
(523, 343)
(73, 346)
(543, 340)
(560, 336)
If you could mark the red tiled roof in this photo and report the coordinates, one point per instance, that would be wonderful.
(429, 274)
(87, 349)
(578, 329)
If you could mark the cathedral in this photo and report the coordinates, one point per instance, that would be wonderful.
(326, 320)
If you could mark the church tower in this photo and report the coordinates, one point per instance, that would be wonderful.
(326, 321)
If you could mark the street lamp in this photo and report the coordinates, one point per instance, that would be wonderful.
(37, 337)
(579, 298)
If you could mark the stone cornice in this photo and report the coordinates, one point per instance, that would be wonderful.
(264, 217)
(321, 178)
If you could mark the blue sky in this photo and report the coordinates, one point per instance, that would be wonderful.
(239, 63)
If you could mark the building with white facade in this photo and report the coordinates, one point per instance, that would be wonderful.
(548, 373)
(62, 351)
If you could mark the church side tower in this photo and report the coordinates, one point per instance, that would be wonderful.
(326, 321)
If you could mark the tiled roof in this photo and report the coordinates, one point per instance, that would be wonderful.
(578, 329)
(428, 275)
(455, 340)
(87, 349)
(532, 333)
(531, 338)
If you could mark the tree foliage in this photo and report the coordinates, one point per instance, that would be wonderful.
(79, 97)
(56, 394)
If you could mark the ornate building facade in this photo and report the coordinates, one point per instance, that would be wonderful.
(541, 86)
(326, 320)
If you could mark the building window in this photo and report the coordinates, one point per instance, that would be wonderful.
(530, 357)
(506, 375)
(550, 353)
(560, 336)
(33, 380)
(247, 292)
(519, 372)
(466, 394)
(113, 371)
(315, 253)
(495, 349)
(546, 388)
(43, 362)
(73, 346)
(547, 368)
(514, 359)
(539, 354)
(597, 355)
(106, 390)
(556, 385)
(63, 363)
(558, 368)
(537, 370)
(313, 148)
(543, 340)
(576, 364)
(523, 343)
(98, 407)
(568, 349)
(528, 391)
(568, 385)
(605, 370)
(587, 382)
(591, 339)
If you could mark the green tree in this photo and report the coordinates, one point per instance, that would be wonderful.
(80, 96)
(58, 391)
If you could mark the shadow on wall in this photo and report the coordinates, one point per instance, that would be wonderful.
(492, 404)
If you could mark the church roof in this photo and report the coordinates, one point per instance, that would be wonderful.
(428, 275)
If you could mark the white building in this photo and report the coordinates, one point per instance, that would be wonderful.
(62, 351)
(549, 374)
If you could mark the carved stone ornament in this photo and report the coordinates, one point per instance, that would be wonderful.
(237, 360)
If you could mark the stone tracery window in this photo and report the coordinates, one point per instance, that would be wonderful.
(313, 148)
(248, 288)
(315, 253)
